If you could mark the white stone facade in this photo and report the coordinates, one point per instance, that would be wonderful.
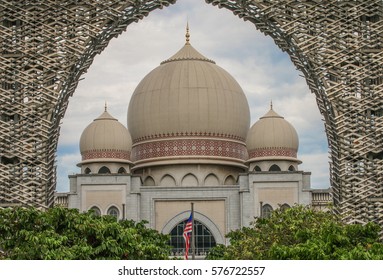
(220, 207)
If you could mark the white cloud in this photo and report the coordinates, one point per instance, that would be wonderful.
(317, 163)
(264, 72)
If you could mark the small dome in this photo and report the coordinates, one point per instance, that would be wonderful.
(188, 107)
(272, 137)
(105, 139)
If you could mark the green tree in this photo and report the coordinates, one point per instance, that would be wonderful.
(301, 233)
(60, 233)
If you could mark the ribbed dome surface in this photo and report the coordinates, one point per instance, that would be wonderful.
(105, 137)
(188, 94)
(272, 136)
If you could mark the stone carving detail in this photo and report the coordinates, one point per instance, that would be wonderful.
(113, 154)
(273, 152)
(217, 148)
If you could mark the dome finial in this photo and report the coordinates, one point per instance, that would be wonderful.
(106, 106)
(271, 105)
(187, 33)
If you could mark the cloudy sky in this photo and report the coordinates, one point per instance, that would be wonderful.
(264, 72)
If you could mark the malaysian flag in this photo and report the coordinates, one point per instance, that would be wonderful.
(187, 233)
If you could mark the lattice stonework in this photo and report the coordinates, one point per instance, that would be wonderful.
(47, 45)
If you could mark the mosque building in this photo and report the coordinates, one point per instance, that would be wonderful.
(189, 140)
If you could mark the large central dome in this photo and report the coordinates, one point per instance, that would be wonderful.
(189, 98)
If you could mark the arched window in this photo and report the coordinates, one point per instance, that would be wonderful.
(274, 167)
(204, 239)
(96, 211)
(113, 211)
(266, 210)
(87, 170)
(104, 170)
(121, 170)
(257, 168)
(285, 206)
(291, 168)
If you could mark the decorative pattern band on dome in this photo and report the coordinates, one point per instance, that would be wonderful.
(273, 152)
(187, 58)
(116, 154)
(189, 147)
(188, 134)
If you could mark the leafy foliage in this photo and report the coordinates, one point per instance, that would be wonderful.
(301, 233)
(59, 233)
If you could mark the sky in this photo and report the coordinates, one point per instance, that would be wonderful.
(264, 72)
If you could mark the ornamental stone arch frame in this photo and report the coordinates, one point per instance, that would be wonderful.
(168, 180)
(230, 180)
(113, 206)
(149, 181)
(211, 179)
(219, 239)
(96, 207)
(335, 44)
(190, 180)
(274, 168)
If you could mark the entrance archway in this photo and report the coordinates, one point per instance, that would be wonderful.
(209, 224)
(204, 239)
(336, 45)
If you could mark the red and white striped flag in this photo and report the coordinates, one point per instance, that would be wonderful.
(187, 233)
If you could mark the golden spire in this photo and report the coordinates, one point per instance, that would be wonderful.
(187, 34)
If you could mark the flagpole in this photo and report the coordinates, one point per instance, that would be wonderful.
(193, 236)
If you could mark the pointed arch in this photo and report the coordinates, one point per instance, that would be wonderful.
(257, 168)
(189, 180)
(121, 170)
(87, 171)
(168, 181)
(96, 210)
(274, 167)
(284, 206)
(296, 27)
(104, 170)
(230, 180)
(113, 211)
(266, 210)
(211, 180)
(291, 168)
(149, 181)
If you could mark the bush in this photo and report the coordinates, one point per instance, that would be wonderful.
(301, 233)
(66, 234)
